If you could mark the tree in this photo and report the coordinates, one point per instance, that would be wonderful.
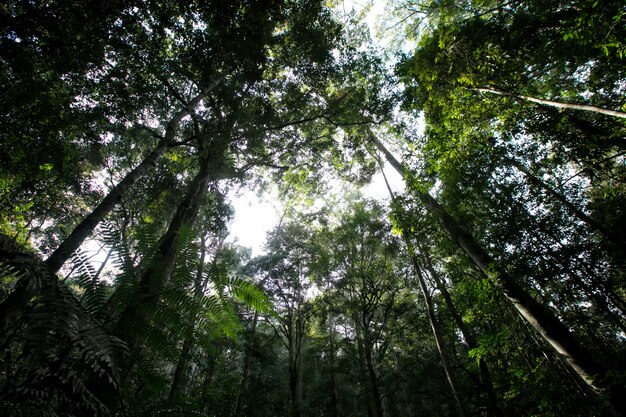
(366, 284)
(128, 135)
(288, 285)
(546, 324)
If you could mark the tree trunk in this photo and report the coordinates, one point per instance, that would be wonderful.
(334, 410)
(557, 104)
(434, 324)
(295, 368)
(178, 381)
(56, 260)
(600, 135)
(23, 290)
(64, 251)
(593, 224)
(539, 316)
(376, 396)
(158, 273)
(243, 386)
(472, 343)
(370, 401)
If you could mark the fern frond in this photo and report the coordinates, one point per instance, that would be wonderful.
(248, 293)
(60, 348)
(95, 291)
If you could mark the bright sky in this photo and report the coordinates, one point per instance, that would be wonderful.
(255, 216)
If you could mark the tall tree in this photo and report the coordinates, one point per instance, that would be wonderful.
(540, 317)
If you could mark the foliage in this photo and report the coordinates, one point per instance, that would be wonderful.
(57, 354)
(130, 133)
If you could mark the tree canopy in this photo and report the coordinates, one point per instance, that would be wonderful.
(492, 283)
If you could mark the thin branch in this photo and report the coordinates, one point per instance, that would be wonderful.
(551, 103)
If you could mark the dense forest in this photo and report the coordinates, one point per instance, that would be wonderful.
(493, 283)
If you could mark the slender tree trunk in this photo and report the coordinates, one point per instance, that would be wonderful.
(434, 324)
(158, 273)
(96, 277)
(64, 251)
(471, 341)
(208, 379)
(557, 104)
(178, 381)
(56, 260)
(243, 386)
(102, 266)
(485, 374)
(593, 224)
(23, 290)
(539, 316)
(370, 401)
(299, 382)
(333, 379)
(374, 385)
(295, 367)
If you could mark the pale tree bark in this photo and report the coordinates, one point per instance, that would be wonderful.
(471, 341)
(551, 103)
(541, 318)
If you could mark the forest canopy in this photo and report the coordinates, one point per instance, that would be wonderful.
(492, 284)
